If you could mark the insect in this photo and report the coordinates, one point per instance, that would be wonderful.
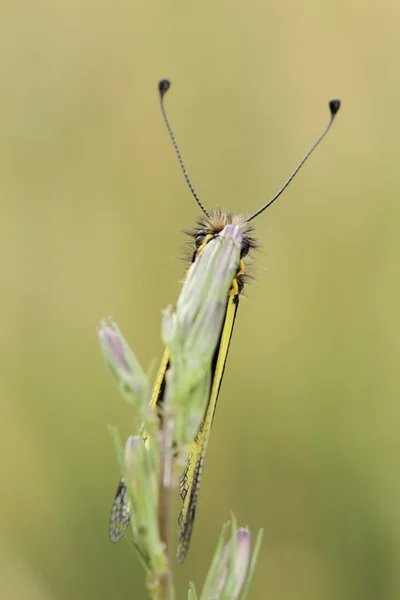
(208, 226)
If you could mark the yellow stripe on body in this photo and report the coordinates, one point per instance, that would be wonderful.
(160, 379)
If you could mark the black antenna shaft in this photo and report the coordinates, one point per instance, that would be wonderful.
(334, 106)
(163, 87)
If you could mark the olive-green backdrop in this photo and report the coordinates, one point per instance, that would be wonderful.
(306, 438)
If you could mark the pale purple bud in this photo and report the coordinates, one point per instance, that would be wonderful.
(191, 332)
(233, 576)
(112, 347)
(122, 363)
(132, 456)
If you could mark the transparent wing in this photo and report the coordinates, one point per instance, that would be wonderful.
(120, 513)
(189, 490)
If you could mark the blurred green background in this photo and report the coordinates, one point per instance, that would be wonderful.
(306, 440)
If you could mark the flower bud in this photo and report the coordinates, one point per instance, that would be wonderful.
(132, 457)
(233, 565)
(122, 364)
(191, 332)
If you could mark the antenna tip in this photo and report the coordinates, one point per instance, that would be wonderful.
(334, 106)
(163, 86)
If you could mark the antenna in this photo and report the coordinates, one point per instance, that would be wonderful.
(334, 106)
(163, 87)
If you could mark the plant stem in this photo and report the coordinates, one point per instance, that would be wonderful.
(164, 509)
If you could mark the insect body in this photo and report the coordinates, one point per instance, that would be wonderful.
(209, 226)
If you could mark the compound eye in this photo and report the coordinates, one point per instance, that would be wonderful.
(199, 239)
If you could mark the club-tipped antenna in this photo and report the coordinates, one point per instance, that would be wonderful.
(163, 87)
(334, 106)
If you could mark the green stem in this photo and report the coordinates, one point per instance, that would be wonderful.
(164, 507)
